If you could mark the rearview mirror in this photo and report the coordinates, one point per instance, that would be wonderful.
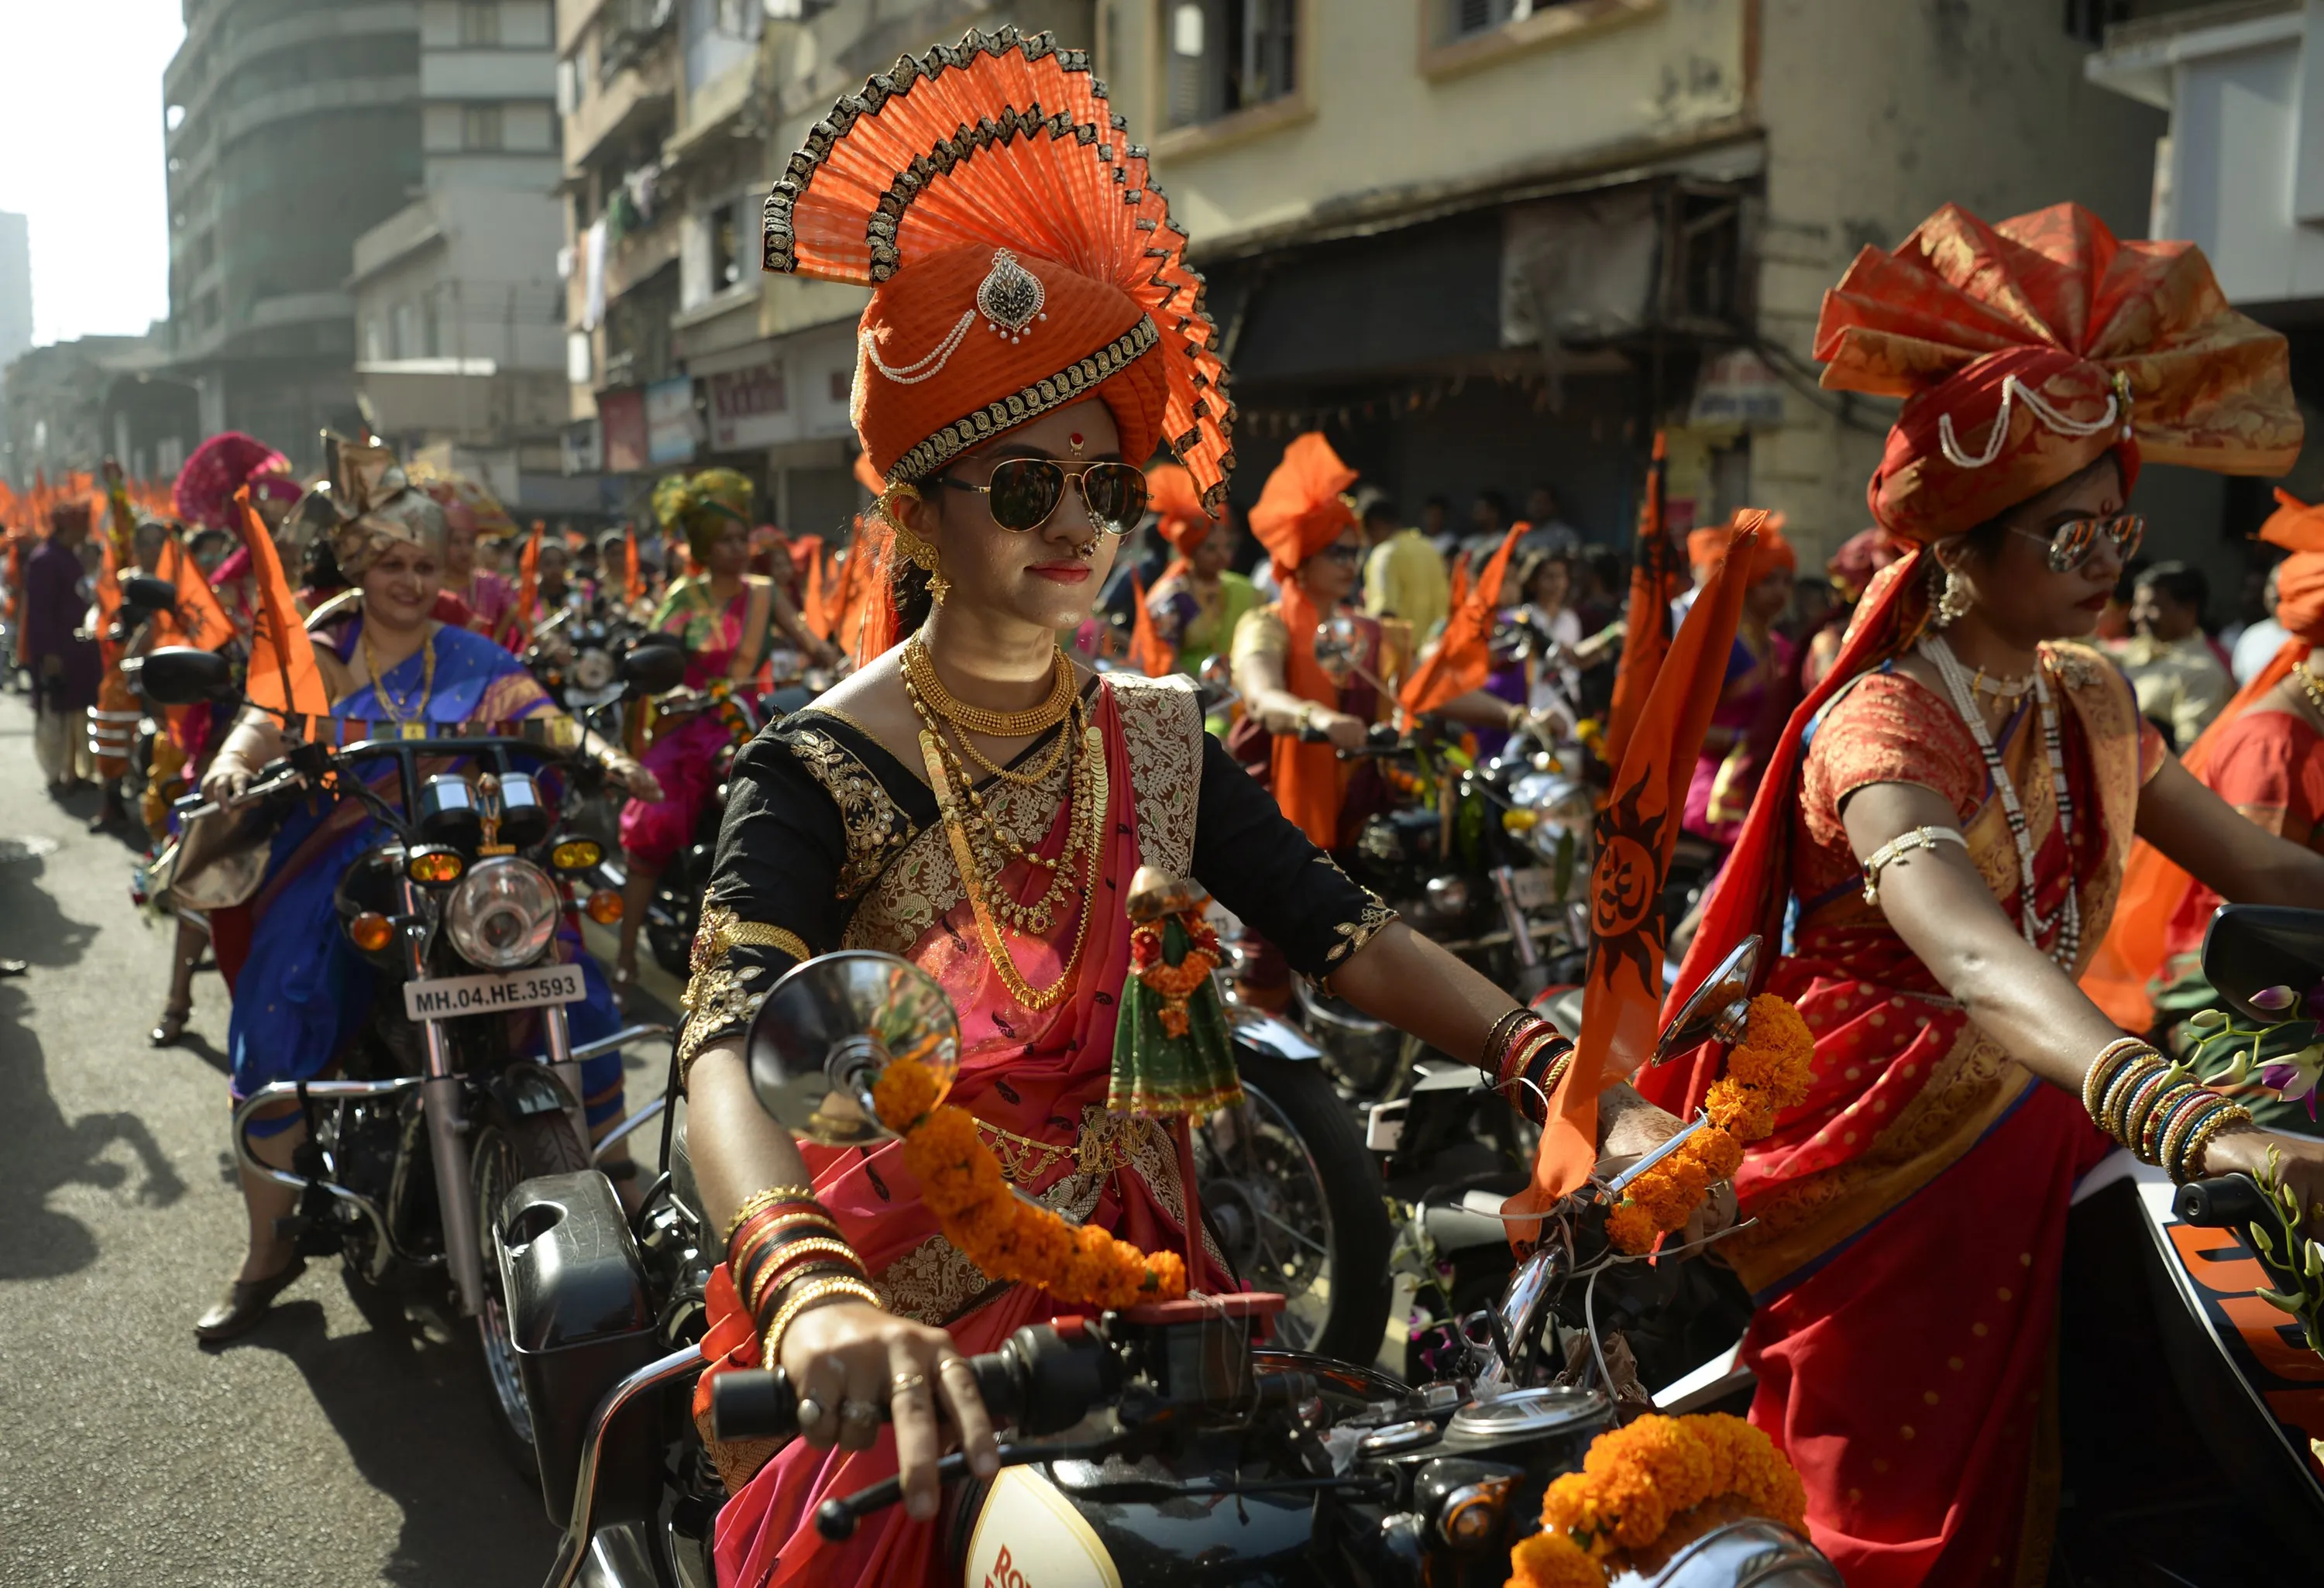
(1720, 1007)
(649, 669)
(180, 675)
(145, 594)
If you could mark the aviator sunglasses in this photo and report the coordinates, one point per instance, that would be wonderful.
(1026, 492)
(2071, 542)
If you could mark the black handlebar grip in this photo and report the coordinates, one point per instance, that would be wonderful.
(2224, 1201)
(751, 1403)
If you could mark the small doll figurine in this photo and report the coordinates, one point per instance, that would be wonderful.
(1172, 1053)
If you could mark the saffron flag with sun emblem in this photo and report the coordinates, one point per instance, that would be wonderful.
(1653, 586)
(1637, 828)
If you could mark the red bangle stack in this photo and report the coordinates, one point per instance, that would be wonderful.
(782, 1237)
(1527, 1056)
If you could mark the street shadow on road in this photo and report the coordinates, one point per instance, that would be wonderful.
(36, 1240)
(411, 1411)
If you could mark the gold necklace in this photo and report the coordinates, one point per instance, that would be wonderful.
(996, 948)
(920, 670)
(387, 702)
(992, 846)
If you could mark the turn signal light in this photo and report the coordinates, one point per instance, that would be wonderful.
(604, 906)
(435, 868)
(576, 854)
(371, 931)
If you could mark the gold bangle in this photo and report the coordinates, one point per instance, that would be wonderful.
(2117, 1095)
(791, 1254)
(2228, 1121)
(2169, 1151)
(759, 1201)
(813, 1294)
(2109, 1058)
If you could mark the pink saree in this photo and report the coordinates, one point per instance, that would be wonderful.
(1037, 1080)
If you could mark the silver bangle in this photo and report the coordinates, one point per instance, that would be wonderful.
(1899, 847)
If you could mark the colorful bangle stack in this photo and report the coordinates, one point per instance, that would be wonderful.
(786, 1254)
(2149, 1104)
(1527, 1056)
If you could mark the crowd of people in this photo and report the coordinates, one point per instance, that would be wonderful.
(1981, 781)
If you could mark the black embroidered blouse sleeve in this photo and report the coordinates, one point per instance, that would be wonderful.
(1257, 863)
(806, 813)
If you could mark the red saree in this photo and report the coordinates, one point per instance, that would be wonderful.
(1035, 1080)
(1912, 1210)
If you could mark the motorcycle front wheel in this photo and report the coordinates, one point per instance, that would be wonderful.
(1295, 1201)
(507, 1153)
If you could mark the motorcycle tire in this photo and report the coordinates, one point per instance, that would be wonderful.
(1292, 1149)
(507, 1152)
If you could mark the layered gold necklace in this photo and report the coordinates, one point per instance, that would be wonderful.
(983, 846)
(401, 712)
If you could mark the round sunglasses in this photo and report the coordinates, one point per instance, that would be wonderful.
(1024, 493)
(2071, 542)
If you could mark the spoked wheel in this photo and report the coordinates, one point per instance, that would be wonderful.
(507, 1153)
(1297, 1204)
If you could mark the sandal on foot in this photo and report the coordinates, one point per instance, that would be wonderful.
(171, 1027)
(245, 1304)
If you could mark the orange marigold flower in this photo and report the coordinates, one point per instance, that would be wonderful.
(1631, 1228)
(905, 1093)
(1552, 1560)
(1719, 1154)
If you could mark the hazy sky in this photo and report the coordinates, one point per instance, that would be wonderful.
(81, 153)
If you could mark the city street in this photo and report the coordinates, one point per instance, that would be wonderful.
(327, 1448)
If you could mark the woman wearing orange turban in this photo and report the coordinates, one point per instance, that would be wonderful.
(1945, 821)
(2264, 756)
(1198, 601)
(1308, 525)
(974, 801)
(1758, 676)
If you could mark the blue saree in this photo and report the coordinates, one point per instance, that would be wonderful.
(304, 992)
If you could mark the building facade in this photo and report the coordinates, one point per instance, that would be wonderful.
(15, 315)
(457, 310)
(293, 127)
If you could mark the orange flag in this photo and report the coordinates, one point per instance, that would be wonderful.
(813, 606)
(1460, 589)
(634, 582)
(1653, 586)
(283, 676)
(1637, 828)
(528, 591)
(1464, 660)
(1148, 653)
(199, 621)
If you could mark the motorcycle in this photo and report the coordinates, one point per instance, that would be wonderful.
(463, 1081)
(1171, 1442)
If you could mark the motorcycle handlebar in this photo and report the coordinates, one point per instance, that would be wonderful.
(193, 806)
(2219, 1203)
(761, 1404)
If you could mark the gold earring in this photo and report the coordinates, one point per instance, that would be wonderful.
(940, 587)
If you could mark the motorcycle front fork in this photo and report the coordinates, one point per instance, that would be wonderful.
(443, 1103)
(1532, 976)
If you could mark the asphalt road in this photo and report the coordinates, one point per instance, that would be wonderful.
(327, 1448)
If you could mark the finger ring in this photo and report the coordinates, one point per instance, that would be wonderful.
(903, 1384)
(952, 1361)
(858, 1414)
(811, 1413)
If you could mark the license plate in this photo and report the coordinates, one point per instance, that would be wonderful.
(441, 997)
(1534, 888)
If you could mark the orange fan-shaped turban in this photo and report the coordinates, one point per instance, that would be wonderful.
(1021, 258)
(1181, 519)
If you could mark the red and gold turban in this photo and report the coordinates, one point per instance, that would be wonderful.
(449, 492)
(2027, 351)
(1303, 506)
(1020, 256)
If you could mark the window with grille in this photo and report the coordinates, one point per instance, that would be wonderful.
(1229, 55)
(480, 24)
(480, 126)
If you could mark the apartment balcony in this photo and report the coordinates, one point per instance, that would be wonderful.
(633, 100)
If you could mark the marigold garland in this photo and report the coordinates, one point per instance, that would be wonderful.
(1636, 1480)
(1766, 1073)
(1006, 1238)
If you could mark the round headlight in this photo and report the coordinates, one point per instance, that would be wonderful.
(1448, 896)
(503, 913)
